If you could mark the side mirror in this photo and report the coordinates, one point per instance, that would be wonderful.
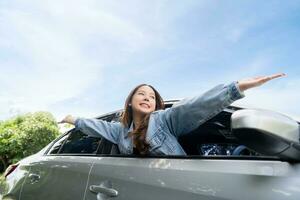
(267, 132)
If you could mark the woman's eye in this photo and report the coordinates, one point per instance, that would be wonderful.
(152, 97)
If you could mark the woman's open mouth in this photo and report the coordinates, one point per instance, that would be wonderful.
(144, 105)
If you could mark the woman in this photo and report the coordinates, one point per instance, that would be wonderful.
(146, 128)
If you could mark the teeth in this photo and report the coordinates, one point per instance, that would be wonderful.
(144, 105)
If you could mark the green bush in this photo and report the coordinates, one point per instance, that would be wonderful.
(25, 135)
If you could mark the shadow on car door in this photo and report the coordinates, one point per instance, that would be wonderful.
(57, 177)
(63, 172)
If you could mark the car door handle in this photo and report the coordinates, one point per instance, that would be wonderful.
(103, 189)
(34, 178)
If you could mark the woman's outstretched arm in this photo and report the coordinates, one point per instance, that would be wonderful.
(96, 127)
(188, 114)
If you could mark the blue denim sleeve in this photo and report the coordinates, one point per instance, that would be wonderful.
(97, 128)
(188, 114)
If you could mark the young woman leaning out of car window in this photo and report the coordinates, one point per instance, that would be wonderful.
(147, 128)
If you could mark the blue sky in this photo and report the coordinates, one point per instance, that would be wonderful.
(82, 57)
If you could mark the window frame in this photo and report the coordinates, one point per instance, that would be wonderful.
(68, 133)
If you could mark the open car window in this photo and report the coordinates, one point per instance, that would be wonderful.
(80, 143)
(75, 142)
(214, 138)
(57, 145)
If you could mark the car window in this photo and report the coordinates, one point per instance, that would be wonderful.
(57, 145)
(80, 143)
(75, 142)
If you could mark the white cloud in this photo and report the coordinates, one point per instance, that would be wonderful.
(46, 42)
(53, 51)
(57, 49)
(49, 65)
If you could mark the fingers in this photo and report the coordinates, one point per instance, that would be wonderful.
(68, 119)
(276, 76)
(65, 119)
(62, 121)
(268, 78)
(257, 81)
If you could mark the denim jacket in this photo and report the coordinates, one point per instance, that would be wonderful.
(165, 126)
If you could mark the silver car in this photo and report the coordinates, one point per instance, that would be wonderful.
(239, 154)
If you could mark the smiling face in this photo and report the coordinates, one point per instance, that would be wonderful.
(143, 101)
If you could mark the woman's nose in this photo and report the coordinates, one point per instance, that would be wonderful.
(146, 98)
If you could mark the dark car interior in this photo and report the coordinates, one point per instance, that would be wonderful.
(214, 138)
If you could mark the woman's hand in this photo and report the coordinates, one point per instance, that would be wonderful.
(68, 119)
(257, 81)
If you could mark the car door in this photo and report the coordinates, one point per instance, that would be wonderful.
(215, 178)
(63, 172)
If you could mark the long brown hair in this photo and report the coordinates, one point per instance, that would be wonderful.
(139, 133)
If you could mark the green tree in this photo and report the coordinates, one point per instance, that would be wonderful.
(25, 135)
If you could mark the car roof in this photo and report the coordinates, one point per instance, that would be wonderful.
(170, 102)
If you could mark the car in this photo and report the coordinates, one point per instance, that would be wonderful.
(238, 154)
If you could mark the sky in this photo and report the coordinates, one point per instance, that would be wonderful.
(83, 57)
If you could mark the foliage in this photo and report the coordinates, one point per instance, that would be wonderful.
(3, 185)
(25, 135)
